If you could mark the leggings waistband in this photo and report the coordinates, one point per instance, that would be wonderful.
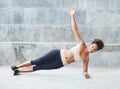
(63, 57)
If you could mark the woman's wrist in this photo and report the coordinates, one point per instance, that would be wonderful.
(86, 75)
(72, 15)
(85, 72)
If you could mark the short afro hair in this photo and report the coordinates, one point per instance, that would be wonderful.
(99, 43)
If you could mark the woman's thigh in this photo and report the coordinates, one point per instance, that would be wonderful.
(50, 56)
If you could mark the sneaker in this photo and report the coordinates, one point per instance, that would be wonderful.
(13, 67)
(15, 72)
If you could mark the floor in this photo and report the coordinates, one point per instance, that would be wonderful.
(64, 78)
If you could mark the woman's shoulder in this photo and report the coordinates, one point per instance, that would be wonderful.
(86, 57)
(82, 44)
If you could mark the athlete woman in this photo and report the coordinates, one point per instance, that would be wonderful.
(60, 57)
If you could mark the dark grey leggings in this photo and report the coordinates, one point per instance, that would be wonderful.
(52, 60)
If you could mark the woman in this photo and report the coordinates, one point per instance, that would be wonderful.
(61, 57)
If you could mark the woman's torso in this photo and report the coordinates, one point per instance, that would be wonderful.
(74, 54)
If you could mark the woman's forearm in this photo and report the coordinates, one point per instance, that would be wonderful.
(85, 68)
(73, 23)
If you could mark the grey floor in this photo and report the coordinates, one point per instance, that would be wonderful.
(64, 78)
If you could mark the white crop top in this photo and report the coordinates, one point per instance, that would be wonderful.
(75, 51)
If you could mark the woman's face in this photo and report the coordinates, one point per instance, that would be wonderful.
(92, 48)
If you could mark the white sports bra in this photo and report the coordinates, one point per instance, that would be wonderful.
(75, 51)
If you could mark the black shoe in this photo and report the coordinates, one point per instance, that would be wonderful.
(15, 72)
(13, 67)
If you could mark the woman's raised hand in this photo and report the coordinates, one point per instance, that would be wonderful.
(72, 11)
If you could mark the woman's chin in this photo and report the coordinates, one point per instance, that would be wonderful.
(89, 51)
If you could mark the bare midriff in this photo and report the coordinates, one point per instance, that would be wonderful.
(67, 57)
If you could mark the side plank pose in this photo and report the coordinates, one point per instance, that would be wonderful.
(60, 57)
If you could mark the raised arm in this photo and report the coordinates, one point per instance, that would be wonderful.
(74, 27)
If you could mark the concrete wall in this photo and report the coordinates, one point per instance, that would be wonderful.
(30, 28)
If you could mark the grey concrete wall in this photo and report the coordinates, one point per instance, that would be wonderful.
(30, 28)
